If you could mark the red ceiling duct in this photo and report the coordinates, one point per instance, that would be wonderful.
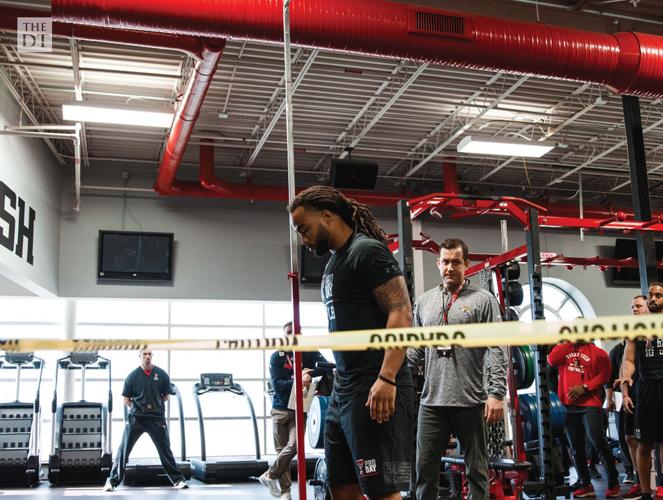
(184, 122)
(629, 63)
(223, 189)
(450, 176)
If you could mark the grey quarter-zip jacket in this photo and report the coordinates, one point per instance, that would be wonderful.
(467, 377)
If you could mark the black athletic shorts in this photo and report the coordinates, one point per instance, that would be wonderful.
(359, 450)
(648, 411)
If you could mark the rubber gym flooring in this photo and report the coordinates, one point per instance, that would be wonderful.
(246, 490)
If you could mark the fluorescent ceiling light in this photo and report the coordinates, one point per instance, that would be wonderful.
(119, 116)
(473, 144)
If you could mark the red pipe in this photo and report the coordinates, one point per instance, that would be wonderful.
(212, 186)
(192, 46)
(208, 54)
(184, 122)
(630, 63)
(450, 176)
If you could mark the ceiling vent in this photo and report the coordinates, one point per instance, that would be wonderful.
(430, 22)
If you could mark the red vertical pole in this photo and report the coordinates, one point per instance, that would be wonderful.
(299, 390)
(450, 175)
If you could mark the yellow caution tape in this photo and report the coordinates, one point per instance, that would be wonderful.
(472, 335)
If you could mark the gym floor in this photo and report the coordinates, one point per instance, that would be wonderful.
(249, 489)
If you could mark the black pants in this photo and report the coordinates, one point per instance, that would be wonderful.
(158, 432)
(623, 445)
(435, 425)
(588, 421)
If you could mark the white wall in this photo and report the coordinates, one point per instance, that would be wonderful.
(236, 250)
(30, 170)
(223, 250)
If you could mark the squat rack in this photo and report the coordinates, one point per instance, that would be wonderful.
(532, 217)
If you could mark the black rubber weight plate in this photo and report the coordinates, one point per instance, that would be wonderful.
(519, 367)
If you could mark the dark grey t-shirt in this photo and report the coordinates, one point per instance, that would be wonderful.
(351, 275)
(147, 392)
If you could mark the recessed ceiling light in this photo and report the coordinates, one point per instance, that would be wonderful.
(473, 144)
(118, 116)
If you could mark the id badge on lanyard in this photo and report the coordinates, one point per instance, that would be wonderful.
(447, 351)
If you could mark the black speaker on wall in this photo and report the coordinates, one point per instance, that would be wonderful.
(352, 174)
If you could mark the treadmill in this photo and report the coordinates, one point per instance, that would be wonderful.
(81, 450)
(20, 426)
(231, 468)
(142, 472)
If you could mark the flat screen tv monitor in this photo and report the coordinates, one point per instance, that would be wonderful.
(630, 276)
(135, 257)
(312, 266)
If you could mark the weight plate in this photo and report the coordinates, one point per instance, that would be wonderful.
(516, 294)
(320, 490)
(529, 417)
(512, 270)
(530, 365)
(558, 414)
(519, 368)
(315, 423)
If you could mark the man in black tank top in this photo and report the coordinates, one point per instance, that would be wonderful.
(648, 354)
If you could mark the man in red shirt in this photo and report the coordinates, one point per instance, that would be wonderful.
(583, 370)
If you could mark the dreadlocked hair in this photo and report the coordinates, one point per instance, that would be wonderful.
(356, 215)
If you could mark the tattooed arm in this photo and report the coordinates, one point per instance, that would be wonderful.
(394, 300)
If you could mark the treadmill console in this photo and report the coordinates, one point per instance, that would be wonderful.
(217, 380)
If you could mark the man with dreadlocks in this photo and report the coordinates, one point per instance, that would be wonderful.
(368, 431)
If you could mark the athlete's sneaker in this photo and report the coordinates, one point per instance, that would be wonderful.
(585, 491)
(659, 492)
(633, 492)
(629, 478)
(109, 486)
(613, 491)
(286, 496)
(271, 484)
(181, 485)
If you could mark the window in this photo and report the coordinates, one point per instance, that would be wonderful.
(227, 423)
(561, 301)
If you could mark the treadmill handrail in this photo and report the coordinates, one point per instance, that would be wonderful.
(35, 437)
(237, 389)
(59, 365)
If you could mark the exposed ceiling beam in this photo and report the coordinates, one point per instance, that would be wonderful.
(278, 106)
(359, 135)
(602, 154)
(460, 130)
(599, 101)
(25, 91)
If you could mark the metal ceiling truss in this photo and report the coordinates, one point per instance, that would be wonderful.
(301, 63)
(26, 92)
(606, 145)
(453, 125)
(402, 76)
(589, 102)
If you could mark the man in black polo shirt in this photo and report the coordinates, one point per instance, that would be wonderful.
(369, 425)
(647, 355)
(145, 393)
